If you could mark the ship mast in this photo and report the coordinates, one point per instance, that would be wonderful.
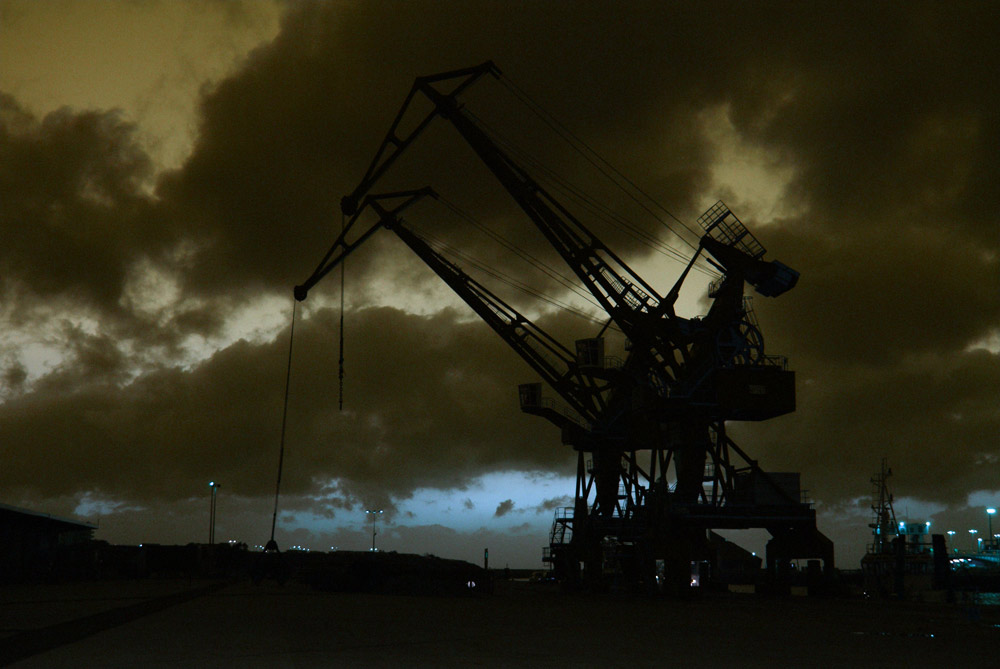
(883, 516)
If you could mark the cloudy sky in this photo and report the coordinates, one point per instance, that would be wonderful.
(168, 171)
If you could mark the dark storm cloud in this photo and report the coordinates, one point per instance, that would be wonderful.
(294, 130)
(893, 146)
(549, 505)
(886, 118)
(421, 410)
(14, 377)
(80, 226)
(503, 508)
(74, 215)
(432, 406)
(933, 417)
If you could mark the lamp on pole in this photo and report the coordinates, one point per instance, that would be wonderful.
(214, 485)
(951, 538)
(375, 513)
(974, 533)
(989, 518)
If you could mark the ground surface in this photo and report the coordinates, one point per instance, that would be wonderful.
(185, 623)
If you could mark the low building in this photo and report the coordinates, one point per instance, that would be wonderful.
(37, 545)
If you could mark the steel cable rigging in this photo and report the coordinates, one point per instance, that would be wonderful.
(446, 249)
(592, 157)
(563, 185)
(542, 266)
(288, 383)
(599, 210)
(284, 422)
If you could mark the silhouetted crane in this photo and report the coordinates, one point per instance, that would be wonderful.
(655, 468)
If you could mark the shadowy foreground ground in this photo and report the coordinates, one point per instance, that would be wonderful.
(192, 623)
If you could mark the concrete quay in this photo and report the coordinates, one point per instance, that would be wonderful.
(197, 623)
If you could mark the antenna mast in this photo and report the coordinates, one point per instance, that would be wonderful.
(883, 515)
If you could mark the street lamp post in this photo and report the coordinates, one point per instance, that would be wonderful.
(989, 518)
(375, 513)
(214, 485)
(974, 533)
(951, 538)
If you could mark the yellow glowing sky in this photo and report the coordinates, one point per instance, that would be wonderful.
(148, 58)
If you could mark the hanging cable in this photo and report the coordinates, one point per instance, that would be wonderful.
(340, 371)
(601, 211)
(591, 156)
(445, 249)
(540, 265)
(284, 419)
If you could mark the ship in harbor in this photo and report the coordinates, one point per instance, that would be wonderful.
(904, 560)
